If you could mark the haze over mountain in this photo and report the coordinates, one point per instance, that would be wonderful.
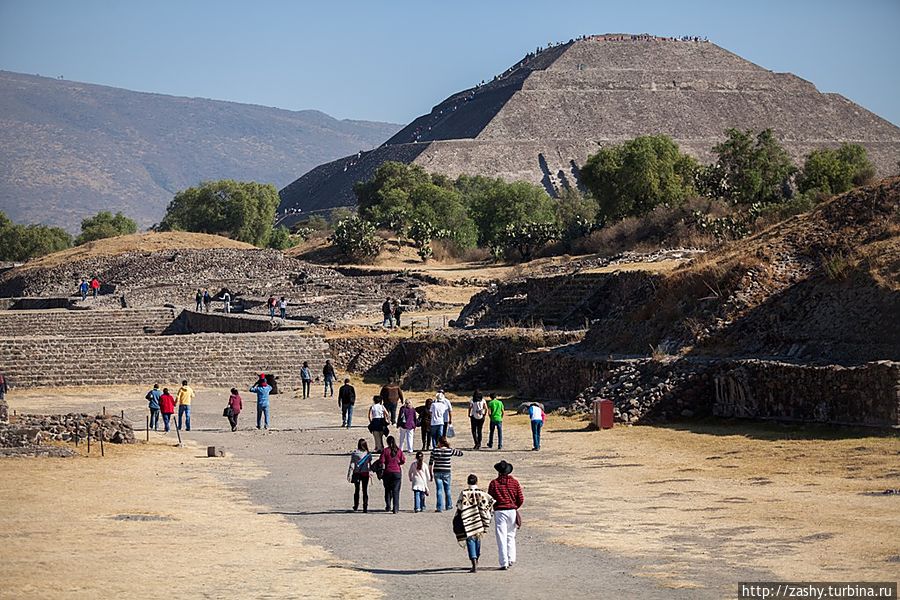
(71, 149)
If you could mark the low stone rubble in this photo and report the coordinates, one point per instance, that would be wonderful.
(28, 434)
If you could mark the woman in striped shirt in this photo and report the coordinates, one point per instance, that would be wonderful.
(440, 471)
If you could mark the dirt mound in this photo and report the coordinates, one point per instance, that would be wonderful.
(820, 286)
(138, 242)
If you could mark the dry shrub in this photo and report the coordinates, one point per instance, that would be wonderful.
(448, 251)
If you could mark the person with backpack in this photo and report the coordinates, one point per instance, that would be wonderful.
(235, 405)
(378, 425)
(419, 476)
(474, 510)
(183, 399)
(406, 423)
(477, 412)
(495, 412)
(346, 401)
(358, 473)
(330, 377)
(83, 289)
(424, 414)
(306, 379)
(536, 416)
(388, 312)
(270, 304)
(198, 298)
(152, 398)
(207, 300)
(166, 407)
(392, 459)
(398, 310)
(439, 463)
(262, 390)
(392, 396)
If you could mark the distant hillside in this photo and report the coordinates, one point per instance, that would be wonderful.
(70, 149)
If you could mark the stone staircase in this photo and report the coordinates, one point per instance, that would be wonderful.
(80, 323)
(206, 358)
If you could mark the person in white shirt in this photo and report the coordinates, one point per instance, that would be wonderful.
(537, 416)
(378, 422)
(419, 476)
(477, 412)
(448, 415)
(439, 412)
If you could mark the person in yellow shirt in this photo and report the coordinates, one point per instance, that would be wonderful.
(183, 401)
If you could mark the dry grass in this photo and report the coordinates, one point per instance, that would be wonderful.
(138, 242)
(157, 523)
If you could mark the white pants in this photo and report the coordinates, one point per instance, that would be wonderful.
(506, 536)
(407, 439)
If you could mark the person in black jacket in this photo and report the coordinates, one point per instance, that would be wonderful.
(346, 400)
(330, 377)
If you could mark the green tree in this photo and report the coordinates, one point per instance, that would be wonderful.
(834, 171)
(22, 242)
(528, 238)
(281, 238)
(495, 204)
(243, 211)
(576, 214)
(752, 168)
(632, 178)
(105, 225)
(356, 239)
(384, 199)
(443, 210)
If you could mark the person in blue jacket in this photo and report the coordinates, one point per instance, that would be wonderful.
(262, 390)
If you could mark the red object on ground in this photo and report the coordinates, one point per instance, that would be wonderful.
(603, 414)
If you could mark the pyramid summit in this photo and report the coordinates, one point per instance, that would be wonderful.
(541, 118)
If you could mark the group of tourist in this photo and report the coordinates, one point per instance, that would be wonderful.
(474, 507)
(91, 287)
(329, 376)
(391, 309)
(202, 299)
(161, 402)
(280, 305)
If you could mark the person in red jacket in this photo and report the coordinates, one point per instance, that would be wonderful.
(95, 286)
(236, 405)
(166, 407)
(507, 493)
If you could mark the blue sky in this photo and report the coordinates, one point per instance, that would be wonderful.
(393, 60)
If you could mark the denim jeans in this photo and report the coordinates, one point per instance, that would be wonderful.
(418, 500)
(307, 383)
(473, 544)
(283, 313)
(329, 385)
(346, 415)
(442, 484)
(498, 425)
(260, 412)
(392, 410)
(391, 483)
(154, 418)
(437, 432)
(184, 411)
(536, 433)
(166, 417)
(388, 321)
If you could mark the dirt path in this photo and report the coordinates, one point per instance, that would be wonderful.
(635, 512)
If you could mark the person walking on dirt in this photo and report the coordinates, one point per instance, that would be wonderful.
(507, 493)
(477, 413)
(388, 312)
(207, 300)
(392, 395)
(440, 466)
(406, 423)
(330, 377)
(262, 390)
(346, 401)
(358, 473)
(183, 399)
(424, 414)
(95, 286)
(235, 406)
(83, 288)
(152, 398)
(419, 476)
(226, 301)
(495, 413)
(306, 378)
(378, 425)
(166, 407)
(282, 307)
(475, 508)
(536, 416)
(392, 459)
(270, 304)
(198, 298)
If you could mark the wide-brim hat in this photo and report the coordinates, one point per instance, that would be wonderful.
(503, 467)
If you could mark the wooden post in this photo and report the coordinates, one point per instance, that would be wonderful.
(89, 440)
(104, 411)
(178, 433)
(428, 322)
(101, 444)
(444, 320)
(412, 329)
(148, 428)
(123, 414)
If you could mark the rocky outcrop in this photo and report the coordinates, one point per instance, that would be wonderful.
(40, 435)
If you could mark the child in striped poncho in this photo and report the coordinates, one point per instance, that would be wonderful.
(473, 517)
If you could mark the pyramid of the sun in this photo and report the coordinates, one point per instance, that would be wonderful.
(548, 112)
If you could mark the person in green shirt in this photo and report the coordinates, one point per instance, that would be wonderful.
(495, 411)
